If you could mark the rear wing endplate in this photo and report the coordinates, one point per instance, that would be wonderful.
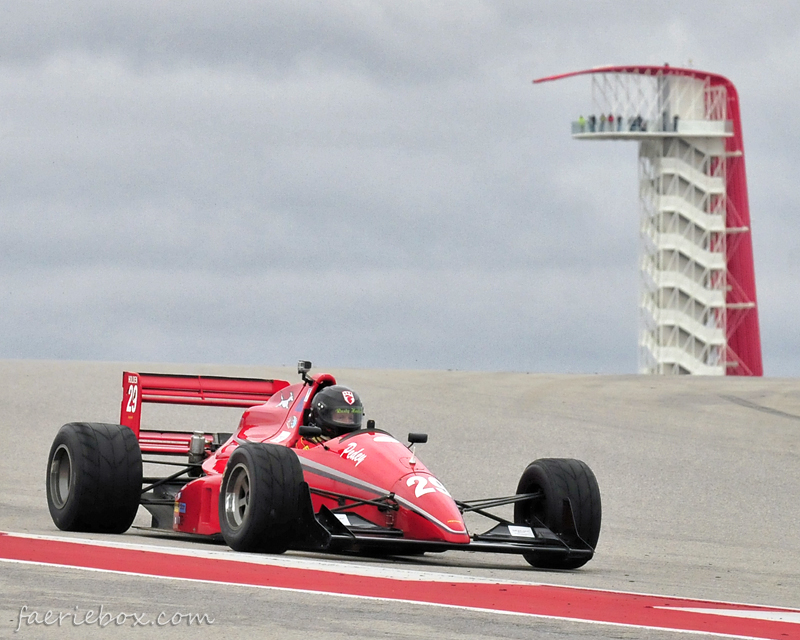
(207, 391)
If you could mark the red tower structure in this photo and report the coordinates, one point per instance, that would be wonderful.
(698, 311)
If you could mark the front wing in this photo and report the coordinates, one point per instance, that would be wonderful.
(349, 533)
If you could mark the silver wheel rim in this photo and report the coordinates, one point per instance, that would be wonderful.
(237, 496)
(60, 476)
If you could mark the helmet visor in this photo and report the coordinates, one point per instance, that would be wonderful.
(346, 416)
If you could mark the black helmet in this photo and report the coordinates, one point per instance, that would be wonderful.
(337, 410)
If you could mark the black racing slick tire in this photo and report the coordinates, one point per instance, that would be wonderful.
(260, 499)
(559, 479)
(94, 477)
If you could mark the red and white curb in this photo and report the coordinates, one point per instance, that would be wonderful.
(353, 579)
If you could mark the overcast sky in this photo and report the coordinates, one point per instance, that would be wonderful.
(363, 184)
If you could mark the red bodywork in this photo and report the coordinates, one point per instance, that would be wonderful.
(365, 465)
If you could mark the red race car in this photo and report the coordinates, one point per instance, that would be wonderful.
(301, 472)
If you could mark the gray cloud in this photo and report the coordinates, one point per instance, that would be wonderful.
(368, 184)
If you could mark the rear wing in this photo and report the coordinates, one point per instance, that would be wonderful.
(207, 391)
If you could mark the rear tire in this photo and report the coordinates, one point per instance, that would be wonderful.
(260, 499)
(94, 478)
(559, 479)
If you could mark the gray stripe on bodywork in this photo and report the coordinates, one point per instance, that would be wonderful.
(427, 515)
(334, 474)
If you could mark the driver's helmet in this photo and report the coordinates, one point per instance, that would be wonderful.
(337, 410)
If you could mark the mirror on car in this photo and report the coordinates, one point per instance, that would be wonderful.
(417, 438)
(309, 431)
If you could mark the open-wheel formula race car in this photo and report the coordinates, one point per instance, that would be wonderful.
(285, 481)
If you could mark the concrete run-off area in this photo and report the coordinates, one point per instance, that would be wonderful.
(699, 479)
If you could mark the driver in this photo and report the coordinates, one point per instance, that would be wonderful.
(336, 410)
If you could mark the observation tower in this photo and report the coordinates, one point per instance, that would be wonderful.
(697, 311)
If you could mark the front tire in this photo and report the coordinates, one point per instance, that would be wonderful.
(560, 479)
(94, 478)
(260, 498)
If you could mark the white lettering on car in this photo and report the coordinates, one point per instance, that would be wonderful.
(133, 397)
(422, 485)
(351, 454)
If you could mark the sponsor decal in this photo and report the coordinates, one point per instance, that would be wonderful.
(292, 422)
(180, 507)
(520, 532)
(283, 435)
(383, 438)
(285, 402)
(348, 396)
(351, 454)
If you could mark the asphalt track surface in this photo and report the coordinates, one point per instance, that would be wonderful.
(700, 479)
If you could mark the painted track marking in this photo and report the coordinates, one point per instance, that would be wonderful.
(755, 614)
(567, 603)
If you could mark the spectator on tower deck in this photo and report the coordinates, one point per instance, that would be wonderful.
(592, 123)
(581, 124)
(602, 122)
(619, 122)
(610, 121)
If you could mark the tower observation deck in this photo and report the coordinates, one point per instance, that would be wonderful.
(697, 311)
